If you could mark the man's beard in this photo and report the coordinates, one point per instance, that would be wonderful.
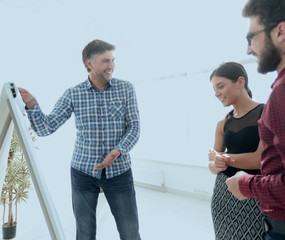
(269, 58)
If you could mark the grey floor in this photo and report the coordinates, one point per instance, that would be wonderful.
(162, 216)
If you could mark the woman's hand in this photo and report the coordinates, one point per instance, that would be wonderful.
(212, 154)
(219, 161)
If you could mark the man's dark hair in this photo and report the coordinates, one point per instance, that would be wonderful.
(94, 48)
(268, 11)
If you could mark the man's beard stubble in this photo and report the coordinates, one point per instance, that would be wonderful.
(270, 58)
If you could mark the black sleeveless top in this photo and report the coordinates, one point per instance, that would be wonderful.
(241, 136)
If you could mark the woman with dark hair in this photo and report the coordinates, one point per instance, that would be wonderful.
(237, 147)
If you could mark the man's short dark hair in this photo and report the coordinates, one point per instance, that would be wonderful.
(268, 11)
(95, 47)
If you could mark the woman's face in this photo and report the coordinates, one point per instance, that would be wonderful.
(225, 90)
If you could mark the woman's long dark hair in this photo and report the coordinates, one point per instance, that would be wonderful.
(232, 71)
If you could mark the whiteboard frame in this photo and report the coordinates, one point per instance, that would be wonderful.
(12, 117)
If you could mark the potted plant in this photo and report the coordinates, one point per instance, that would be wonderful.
(16, 186)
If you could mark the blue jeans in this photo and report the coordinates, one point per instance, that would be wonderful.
(120, 194)
(273, 236)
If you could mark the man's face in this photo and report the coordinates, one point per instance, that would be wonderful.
(268, 55)
(102, 66)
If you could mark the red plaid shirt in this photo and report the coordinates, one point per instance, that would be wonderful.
(269, 188)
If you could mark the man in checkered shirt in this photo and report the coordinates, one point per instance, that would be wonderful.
(107, 123)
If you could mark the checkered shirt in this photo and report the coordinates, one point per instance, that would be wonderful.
(269, 188)
(105, 120)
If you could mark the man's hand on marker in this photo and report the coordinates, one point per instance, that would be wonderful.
(28, 98)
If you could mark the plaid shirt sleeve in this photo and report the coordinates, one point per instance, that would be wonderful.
(132, 133)
(105, 120)
(45, 125)
(269, 188)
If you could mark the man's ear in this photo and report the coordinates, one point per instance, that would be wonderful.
(281, 32)
(88, 63)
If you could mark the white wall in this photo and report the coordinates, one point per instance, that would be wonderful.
(185, 179)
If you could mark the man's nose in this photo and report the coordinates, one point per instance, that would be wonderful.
(249, 50)
(112, 64)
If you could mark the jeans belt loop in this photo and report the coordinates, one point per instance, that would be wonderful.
(265, 224)
(274, 225)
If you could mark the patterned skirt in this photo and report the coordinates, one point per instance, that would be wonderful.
(234, 219)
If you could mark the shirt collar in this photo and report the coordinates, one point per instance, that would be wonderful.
(280, 75)
(90, 86)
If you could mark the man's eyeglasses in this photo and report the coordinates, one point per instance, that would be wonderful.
(250, 36)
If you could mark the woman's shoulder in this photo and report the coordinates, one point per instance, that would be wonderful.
(221, 124)
(257, 109)
(261, 105)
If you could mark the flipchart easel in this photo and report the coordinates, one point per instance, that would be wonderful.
(12, 115)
